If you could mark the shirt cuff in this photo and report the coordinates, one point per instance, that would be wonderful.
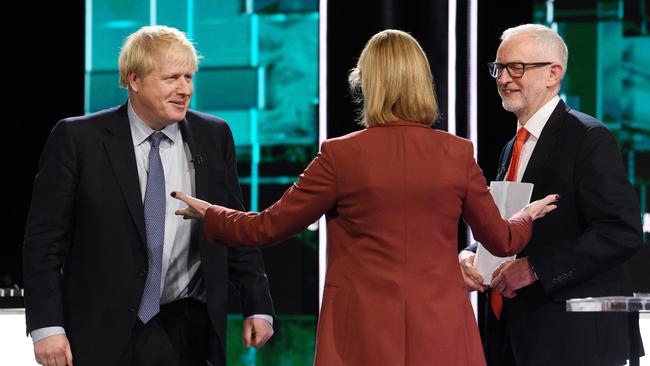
(42, 333)
(268, 318)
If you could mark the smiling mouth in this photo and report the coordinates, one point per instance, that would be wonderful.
(508, 92)
(178, 103)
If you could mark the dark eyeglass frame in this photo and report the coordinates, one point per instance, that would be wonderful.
(495, 68)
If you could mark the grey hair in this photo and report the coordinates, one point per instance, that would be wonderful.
(546, 37)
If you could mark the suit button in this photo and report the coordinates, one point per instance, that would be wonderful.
(142, 273)
(132, 309)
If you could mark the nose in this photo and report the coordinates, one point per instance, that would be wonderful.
(184, 86)
(503, 77)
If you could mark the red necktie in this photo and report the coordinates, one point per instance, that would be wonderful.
(496, 300)
(522, 135)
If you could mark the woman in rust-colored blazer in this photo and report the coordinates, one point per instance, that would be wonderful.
(393, 194)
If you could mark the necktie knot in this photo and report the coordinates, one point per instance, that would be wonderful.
(155, 138)
(522, 134)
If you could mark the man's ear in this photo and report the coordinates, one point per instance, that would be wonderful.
(134, 81)
(555, 76)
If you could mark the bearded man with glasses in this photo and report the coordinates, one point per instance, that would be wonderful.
(579, 251)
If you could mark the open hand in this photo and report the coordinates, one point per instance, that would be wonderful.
(195, 209)
(541, 207)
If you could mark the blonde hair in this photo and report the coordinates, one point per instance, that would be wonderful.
(144, 49)
(546, 38)
(394, 76)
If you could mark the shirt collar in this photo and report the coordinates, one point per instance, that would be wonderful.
(536, 123)
(140, 131)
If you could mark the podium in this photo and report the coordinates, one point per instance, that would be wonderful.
(639, 303)
(16, 347)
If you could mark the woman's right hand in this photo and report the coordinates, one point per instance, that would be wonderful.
(195, 209)
(539, 208)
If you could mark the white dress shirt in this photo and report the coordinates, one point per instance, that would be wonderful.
(534, 126)
(180, 262)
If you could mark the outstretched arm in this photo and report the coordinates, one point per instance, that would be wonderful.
(302, 204)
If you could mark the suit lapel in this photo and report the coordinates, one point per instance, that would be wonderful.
(506, 154)
(121, 153)
(198, 159)
(545, 144)
(201, 180)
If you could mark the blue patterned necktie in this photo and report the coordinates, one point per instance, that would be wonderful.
(154, 221)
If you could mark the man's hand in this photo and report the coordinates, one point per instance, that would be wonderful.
(256, 332)
(511, 276)
(473, 280)
(53, 351)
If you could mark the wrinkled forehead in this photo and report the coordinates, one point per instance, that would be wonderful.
(521, 48)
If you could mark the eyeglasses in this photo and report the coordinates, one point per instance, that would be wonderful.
(515, 69)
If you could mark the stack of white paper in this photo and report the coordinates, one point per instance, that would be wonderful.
(510, 197)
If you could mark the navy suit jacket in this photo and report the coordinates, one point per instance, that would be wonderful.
(85, 256)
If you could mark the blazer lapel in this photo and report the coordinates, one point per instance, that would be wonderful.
(121, 153)
(201, 179)
(545, 144)
(198, 159)
(506, 154)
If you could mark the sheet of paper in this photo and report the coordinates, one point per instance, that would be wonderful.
(509, 197)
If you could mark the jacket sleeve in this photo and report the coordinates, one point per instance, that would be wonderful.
(501, 237)
(301, 205)
(48, 230)
(246, 272)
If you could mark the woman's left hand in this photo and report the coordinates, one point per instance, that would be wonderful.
(195, 207)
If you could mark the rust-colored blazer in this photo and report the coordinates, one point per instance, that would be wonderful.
(393, 195)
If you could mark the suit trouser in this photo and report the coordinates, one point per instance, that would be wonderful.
(176, 336)
(497, 342)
